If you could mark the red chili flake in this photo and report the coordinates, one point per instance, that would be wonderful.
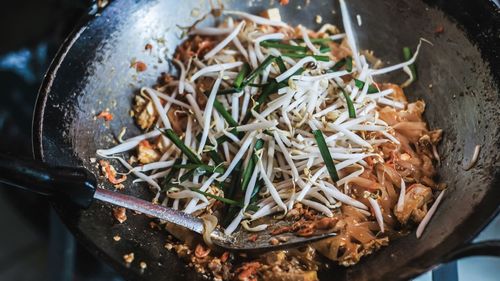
(201, 252)
(120, 214)
(148, 47)
(139, 66)
(106, 115)
(284, 2)
(253, 238)
(224, 257)
(439, 29)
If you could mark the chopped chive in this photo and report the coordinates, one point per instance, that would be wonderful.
(338, 65)
(226, 200)
(325, 154)
(171, 174)
(316, 40)
(274, 44)
(247, 173)
(360, 84)
(212, 152)
(300, 56)
(348, 64)
(407, 56)
(258, 70)
(350, 105)
(201, 168)
(258, 85)
(324, 49)
(228, 91)
(170, 134)
(225, 114)
(215, 156)
(281, 64)
(245, 69)
(187, 175)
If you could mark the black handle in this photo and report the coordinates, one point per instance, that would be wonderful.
(76, 185)
(483, 248)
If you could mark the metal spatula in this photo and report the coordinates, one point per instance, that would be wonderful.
(79, 186)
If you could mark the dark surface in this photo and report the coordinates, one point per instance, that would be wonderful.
(92, 73)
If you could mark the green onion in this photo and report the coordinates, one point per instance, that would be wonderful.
(247, 173)
(281, 64)
(274, 44)
(245, 69)
(324, 49)
(360, 84)
(316, 40)
(350, 105)
(407, 56)
(171, 174)
(226, 200)
(348, 64)
(325, 154)
(201, 168)
(258, 70)
(258, 85)
(225, 114)
(228, 91)
(300, 56)
(212, 152)
(338, 65)
(187, 175)
(170, 134)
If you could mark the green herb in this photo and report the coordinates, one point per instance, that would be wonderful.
(226, 200)
(258, 85)
(350, 105)
(316, 40)
(245, 69)
(258, 70)
(407, 56)
(228, 91)
(281, 64)
(247, 173)
(171, 174)
(170, 134)
(225, 114)
(324, 49)
(187, 175)
(360, 84)
(300, 56)
(212, 152)
(348, 64)
(274, 44)
(338, 65)
(325, 154)
(201, 168)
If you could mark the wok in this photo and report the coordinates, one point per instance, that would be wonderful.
(458, 78)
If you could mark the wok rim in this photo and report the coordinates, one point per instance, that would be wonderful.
(39, 153)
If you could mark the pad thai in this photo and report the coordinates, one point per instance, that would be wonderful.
(265, 120)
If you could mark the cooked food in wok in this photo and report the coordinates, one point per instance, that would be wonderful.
(265, 121)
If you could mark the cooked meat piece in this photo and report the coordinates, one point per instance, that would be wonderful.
(415, 205)
(144, 112)
(146, 153)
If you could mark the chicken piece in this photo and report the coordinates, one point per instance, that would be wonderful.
(415, 205)
(146, 153)
(144, 112)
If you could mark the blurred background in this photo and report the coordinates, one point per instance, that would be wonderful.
(34, 245)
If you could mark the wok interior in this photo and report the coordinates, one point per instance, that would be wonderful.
(455, 83)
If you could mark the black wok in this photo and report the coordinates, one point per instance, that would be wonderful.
(459, 80)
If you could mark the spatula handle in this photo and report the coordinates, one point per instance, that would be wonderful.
(76, 185)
